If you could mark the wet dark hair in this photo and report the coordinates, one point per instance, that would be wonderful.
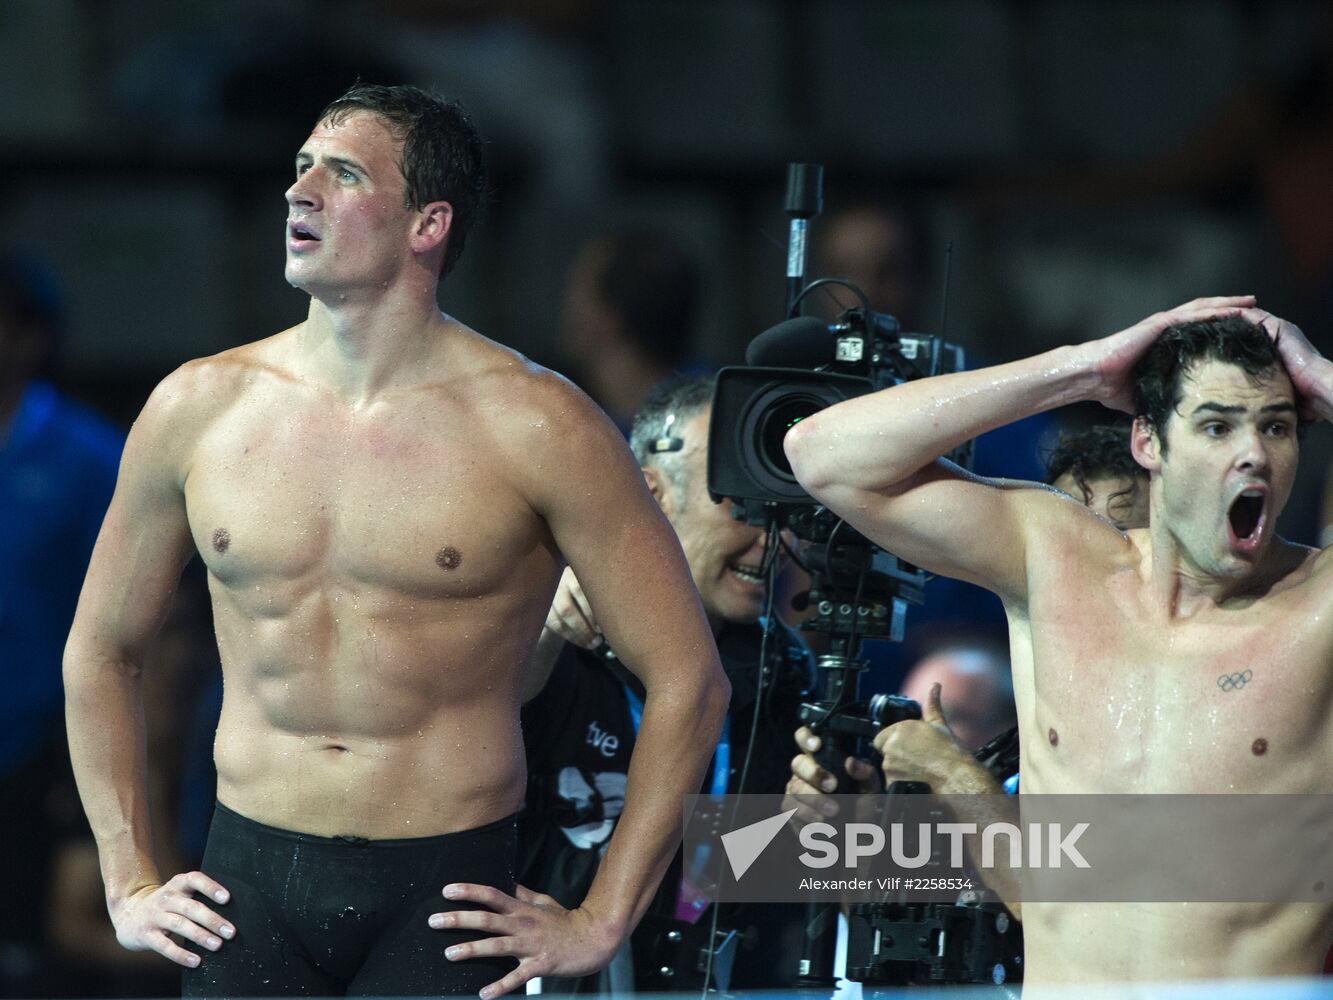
(1158, 375)
(442, 157)
(1100, 452)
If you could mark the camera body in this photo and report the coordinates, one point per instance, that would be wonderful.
(857, 589)
(896, 944)
(755, 405)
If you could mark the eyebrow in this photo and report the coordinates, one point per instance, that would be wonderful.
(1211, 407)
(337, 161)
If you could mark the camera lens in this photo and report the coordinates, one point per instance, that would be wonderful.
(768, 403)
(774, 425)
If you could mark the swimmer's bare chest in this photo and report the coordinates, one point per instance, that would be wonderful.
(369, 565)
(1118, 700)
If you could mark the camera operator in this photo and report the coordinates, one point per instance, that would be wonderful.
(579, 725)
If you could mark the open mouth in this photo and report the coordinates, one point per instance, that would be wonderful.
(1246, 517)
(750, 574)
(302, 233)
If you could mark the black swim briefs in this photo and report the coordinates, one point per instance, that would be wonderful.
(343, 916)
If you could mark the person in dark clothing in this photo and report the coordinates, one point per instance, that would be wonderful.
(580, 723)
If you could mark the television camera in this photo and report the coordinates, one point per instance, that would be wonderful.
(858, 590)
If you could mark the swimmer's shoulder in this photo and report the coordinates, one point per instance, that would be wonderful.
(200, 391)
(544, 433)
(1303, 566)
(508, 391)
(1067, 526)
(221, 380)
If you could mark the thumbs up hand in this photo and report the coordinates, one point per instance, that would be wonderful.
(926, 750)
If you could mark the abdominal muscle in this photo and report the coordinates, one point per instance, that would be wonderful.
(376, 721)
(1162, 942)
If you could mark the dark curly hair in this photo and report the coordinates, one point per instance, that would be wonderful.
(1100, 452)
(1158, 374)
(442, 157)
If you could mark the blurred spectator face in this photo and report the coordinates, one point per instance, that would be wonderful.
(977, 701)
(1096, 466)
(873, 249)
(725, 555)
(586, 323)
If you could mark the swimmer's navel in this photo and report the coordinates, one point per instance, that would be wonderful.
(1259, 747)
(1054, 737)
(337, 748)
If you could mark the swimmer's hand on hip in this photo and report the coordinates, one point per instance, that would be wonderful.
(546, 938)
(144, 918)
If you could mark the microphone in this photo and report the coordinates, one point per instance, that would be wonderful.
(803, 342)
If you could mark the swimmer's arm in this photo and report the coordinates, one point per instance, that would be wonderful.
(140, 551)
(628, 561)
(630, 565)
(876, 460)
(574, 468)
(1318, 390)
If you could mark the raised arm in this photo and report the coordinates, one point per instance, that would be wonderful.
(584, 482)
(876, 461)
(140, 551)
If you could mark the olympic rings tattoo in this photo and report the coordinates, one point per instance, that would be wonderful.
(1234, 682)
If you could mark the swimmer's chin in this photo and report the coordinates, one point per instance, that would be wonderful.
(298, 280)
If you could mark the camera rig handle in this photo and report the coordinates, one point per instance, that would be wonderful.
(805, 200)
(844, 724)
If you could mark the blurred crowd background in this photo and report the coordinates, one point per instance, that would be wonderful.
(1088, 160)
(1071, 165)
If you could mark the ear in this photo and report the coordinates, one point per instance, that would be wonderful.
(433, 224)
(658, 487)
(1145, 446)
